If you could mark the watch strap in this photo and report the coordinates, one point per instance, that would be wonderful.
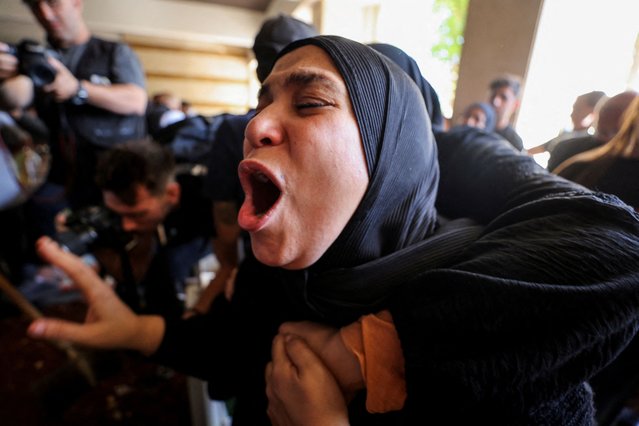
(81, 97)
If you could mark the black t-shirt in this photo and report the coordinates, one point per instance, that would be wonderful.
(570, 147)
(619, 178)
(222, 182)
(511, 136)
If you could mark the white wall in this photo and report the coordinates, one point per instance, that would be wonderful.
(581, 45)
(169, 19)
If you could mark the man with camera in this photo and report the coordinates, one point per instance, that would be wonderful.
(89, 91)
(153, 232)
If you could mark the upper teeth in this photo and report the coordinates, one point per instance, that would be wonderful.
(261, 177)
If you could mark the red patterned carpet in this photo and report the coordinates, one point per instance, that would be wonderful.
(39, 386)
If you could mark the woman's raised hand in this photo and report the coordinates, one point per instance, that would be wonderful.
(109, 324)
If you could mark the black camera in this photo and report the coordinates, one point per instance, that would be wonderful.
(32, 61)
(90, 227)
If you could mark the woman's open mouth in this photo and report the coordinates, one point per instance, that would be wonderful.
(262, 195)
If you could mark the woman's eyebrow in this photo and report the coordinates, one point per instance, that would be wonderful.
(307, 78)
(302, 78)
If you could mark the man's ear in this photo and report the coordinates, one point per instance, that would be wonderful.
(173, 192)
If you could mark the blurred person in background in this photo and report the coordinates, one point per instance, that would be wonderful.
(93, 98)
(609, 113)
(504, 97)
(583, 117)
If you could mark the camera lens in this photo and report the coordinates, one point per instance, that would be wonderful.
(41, 74)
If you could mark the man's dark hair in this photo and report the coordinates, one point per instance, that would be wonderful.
(593, 97)
(123, 167)
(507, 80)
(274, 35)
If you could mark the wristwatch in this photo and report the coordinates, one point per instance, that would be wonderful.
(81, 97)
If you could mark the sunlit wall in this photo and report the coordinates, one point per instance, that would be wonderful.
(581, 45)
(411, 25)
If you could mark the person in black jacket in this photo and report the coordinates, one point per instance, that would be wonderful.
(502, 323)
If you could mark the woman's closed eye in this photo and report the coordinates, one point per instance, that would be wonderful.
(312, 103)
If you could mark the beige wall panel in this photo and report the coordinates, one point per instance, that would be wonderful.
(233, 94)
(209, 110)
(193, 64)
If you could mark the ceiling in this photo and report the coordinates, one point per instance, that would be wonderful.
(257, 5)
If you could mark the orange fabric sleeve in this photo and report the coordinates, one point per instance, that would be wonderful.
(374, 342)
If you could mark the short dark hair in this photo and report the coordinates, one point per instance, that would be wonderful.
(122, 168)
(506, 80)
(274, 35)
(592, 98)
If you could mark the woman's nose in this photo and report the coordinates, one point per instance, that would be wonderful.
(265, 129)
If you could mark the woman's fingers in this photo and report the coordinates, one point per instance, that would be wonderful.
(83, 276)
(301, 356)
(60, 330)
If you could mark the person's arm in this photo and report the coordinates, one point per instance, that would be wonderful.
(120, 98)
(225, 247)
(109, 324)
(538, 149)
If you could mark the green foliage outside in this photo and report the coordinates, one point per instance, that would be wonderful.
(448, 48)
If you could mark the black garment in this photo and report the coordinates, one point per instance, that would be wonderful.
(511, 136)
(411, 68)
(617, 176)
(571, 147)
(15, 249)
(222, 182)
(80, 132)
(619, 381)
(507, 333)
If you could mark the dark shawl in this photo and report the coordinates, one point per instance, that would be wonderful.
(410, 67)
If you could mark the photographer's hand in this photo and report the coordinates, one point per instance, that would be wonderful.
(65, 85)
(109, 323)
(8, 62)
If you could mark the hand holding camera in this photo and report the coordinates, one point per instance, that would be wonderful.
(41, 65)
(64, 86)
(81, 230)
(29, 58)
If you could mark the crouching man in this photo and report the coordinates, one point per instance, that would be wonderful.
(168, 223)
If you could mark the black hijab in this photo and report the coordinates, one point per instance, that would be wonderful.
(387, 236)
(410, 67)
(398, 207)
